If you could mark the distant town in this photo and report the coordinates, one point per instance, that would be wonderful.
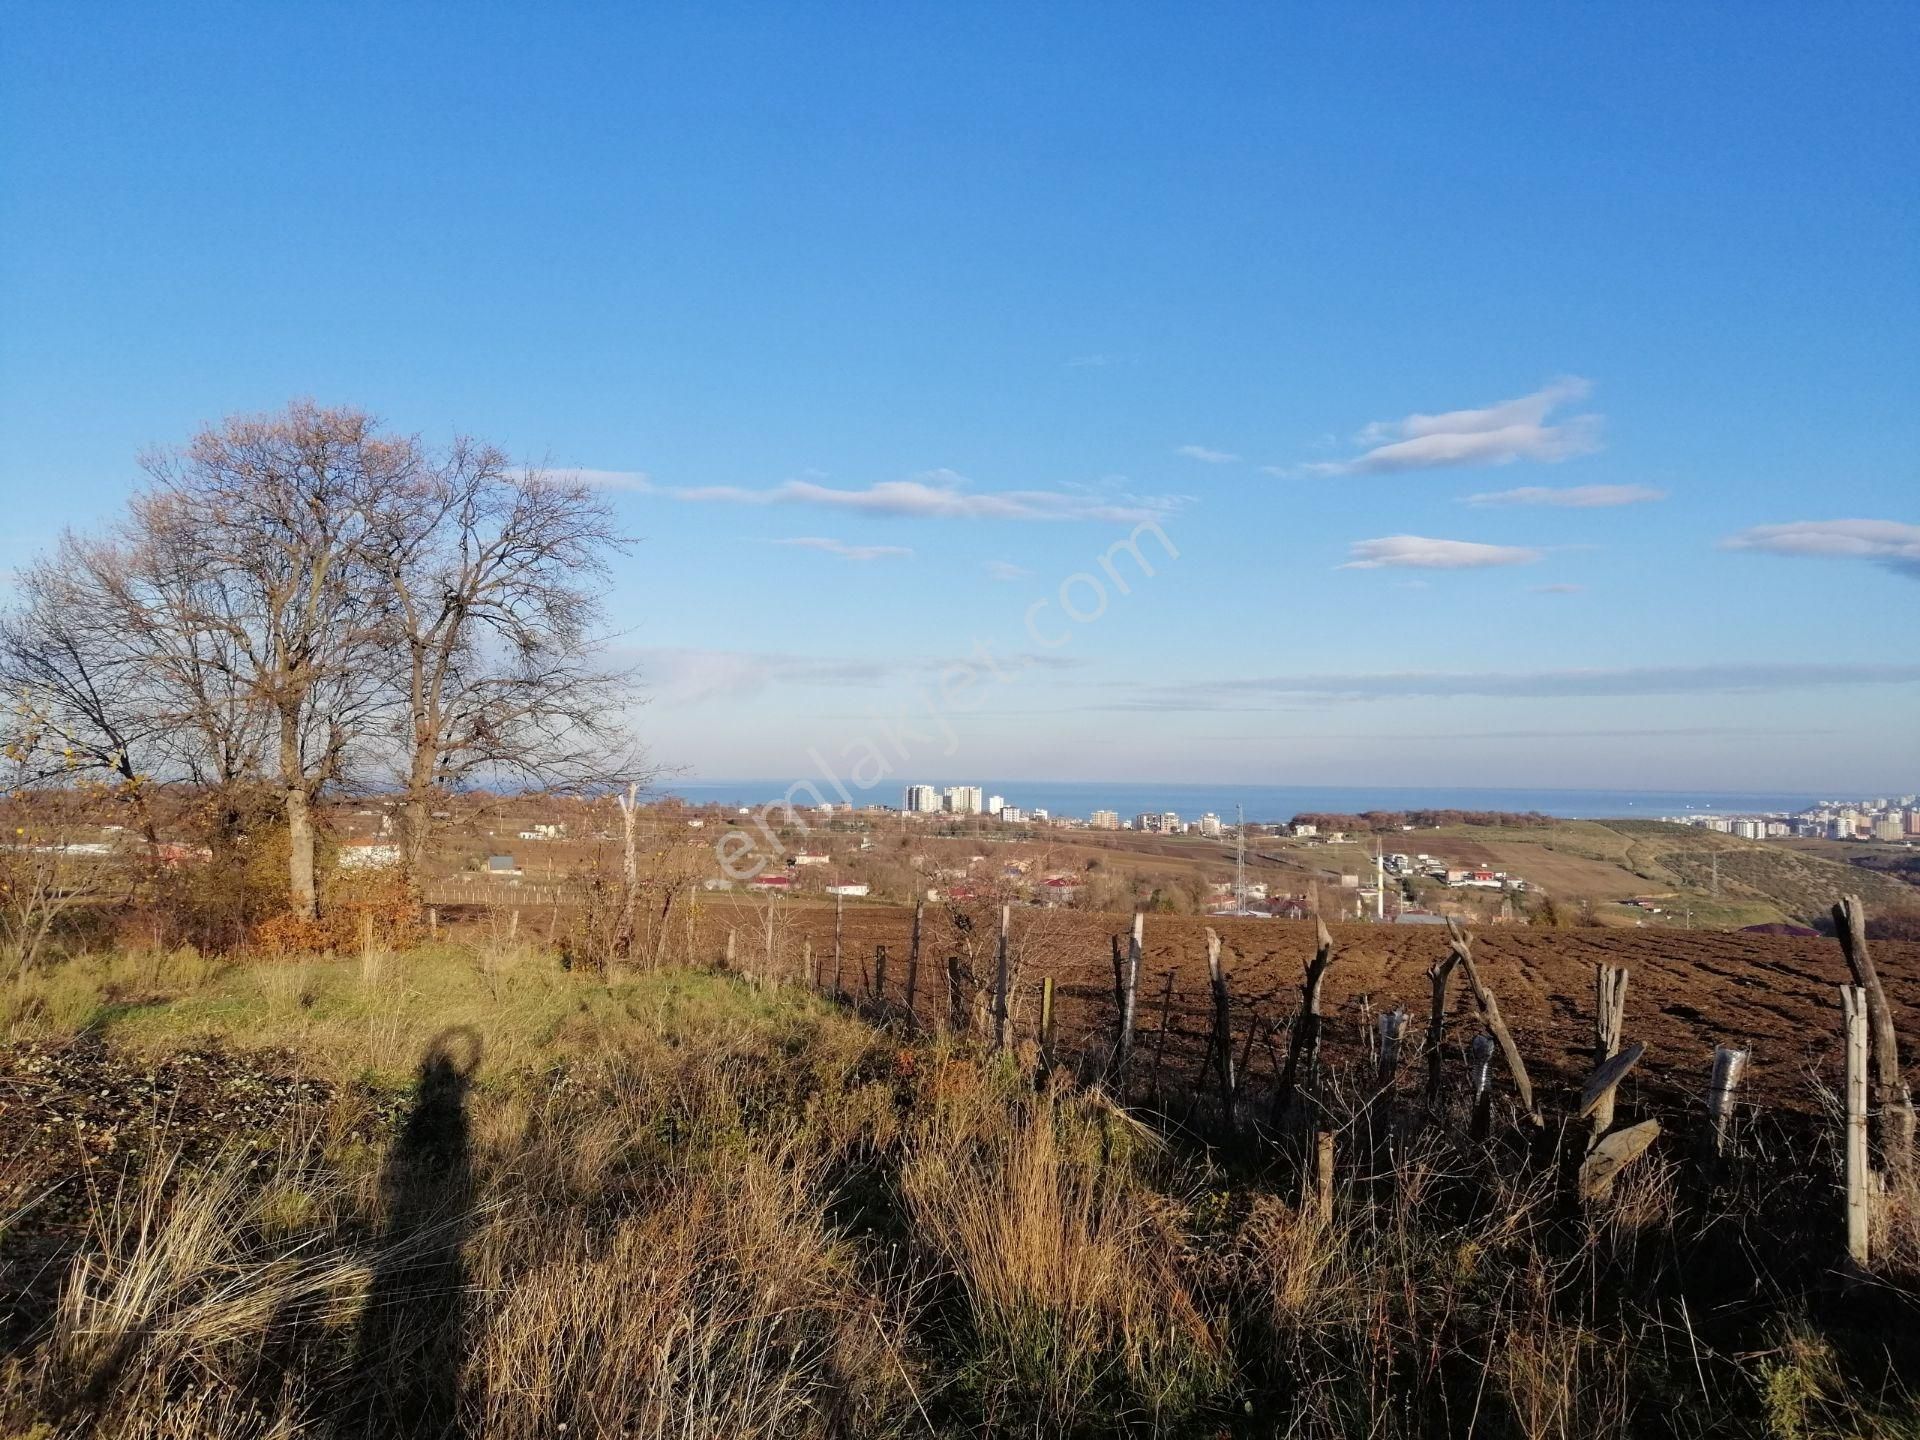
(1889, 820)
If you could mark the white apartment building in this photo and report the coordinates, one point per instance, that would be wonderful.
(922, 799)
(1104, 820)
(965, 800)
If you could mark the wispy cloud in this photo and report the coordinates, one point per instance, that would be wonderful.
(1557, 589)
(1492, 435)
(637, 480)
(1007, 570)
(1891, 543)
(1099, 360)
(1206, 455)
(1290, 691)
(843, 549)
(1417, 552)
(1572, 497)
(687, 675)
(942, 495)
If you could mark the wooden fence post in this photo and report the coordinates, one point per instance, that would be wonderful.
(1323, 1176)
(839, 907)
(955, 1021)
(1439, 974)
(1889, 1092)
(1222, 1029)
(808, 970)
(913, 959)
(878, 995)
(1392, 1025)
(433, 922)
(1489, 1008)
(1728, 1066)
(1303, 1047)
(1046, 1025)
(1129, 993)
(1853, 1001)
(1480, 1083)
(1609, 1018)
(729, 954)
(1000, 1036)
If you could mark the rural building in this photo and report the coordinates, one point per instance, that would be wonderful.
(502, 865)
(368, 855)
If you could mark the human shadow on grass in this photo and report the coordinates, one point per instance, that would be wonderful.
(404, 1379)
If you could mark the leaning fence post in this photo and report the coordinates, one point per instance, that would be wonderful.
(1222, 1033)
(1609, 1019)
(1890, 1095)
(1303, 1047)
(1000, 982)
(1728, 1066)
(1489, 1008)
(1439, 974)
(1853, 1001)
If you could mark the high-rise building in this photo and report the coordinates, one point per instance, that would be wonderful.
(965, 799)
(995, 803)
(1210, 825)
(1104, 820)
(922, 799)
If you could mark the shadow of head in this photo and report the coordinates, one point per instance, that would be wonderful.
(435, 1133)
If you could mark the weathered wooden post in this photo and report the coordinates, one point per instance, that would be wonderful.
(1489, 1007)
(1323, 1176)
(433, 922)
(1222, 1030)
(729, 954)
(1303, 1047)
(1888, 1088)
(1728, 1066)
(513, 926)
(1480, 1083)
(1129, 992)
(1609, 1018)
(1439, 974)
(807, 968)
(913, 959)
(878, 995)
(1000, 977)
(629, 804)
(955, 1021)
(1613, 1154)
(839, 908)
(1853, 1001)
(1392, 1026)
(1046, 1025)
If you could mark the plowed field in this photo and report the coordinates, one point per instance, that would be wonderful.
(1690, 990)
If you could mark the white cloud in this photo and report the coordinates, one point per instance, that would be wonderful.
(1417, 552)
(1573, 497)
(1007, 570)
(942, 495)
(637, 480)
(1732, 678)
(1557, 589)
(1493, 435)
(843, 549)
(686, 675)
(1208, 456)
(1891, 543)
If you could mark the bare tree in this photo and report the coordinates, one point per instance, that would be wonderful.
(267, 520)
(496, 576)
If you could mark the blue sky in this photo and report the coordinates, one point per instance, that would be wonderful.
(990, 287)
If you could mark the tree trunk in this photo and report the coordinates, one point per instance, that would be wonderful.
(302, 895)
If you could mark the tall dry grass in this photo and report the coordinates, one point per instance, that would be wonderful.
(687, 1206)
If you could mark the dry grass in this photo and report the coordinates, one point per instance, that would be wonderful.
(539, 1205)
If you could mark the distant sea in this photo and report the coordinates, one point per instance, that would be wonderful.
(1268, 803)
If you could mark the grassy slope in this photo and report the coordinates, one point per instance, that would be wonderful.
(1759, 881)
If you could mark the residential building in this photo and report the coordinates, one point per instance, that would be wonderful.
(1210, 825)
(1110, 820)
(964, 800)
(995, 804)
(922, 799)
